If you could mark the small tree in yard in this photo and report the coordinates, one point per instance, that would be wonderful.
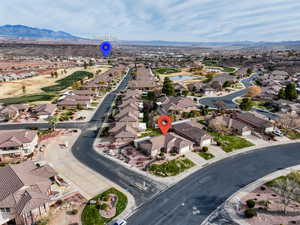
(52, 122)
(288, 121)
(253, 91)
(249, 213)
(218, 124)
(250, 203)
(204, 148)
(288, 189)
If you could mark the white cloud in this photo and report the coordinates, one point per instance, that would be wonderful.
(181, 20)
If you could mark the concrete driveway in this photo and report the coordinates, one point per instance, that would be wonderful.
(88, 182)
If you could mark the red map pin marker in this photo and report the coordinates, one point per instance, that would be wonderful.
(164, 123)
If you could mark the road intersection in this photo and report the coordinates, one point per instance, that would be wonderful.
(201, 192)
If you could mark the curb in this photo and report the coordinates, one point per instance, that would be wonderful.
(229, 205)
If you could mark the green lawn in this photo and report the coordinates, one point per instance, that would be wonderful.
(171, 168)
(28, 98)
(292, 134)
(229, 142)
(228, 69)
(210, 63)
(166, 70)
(68, 81)
(91, 215)
(206, 155)
(151, 132)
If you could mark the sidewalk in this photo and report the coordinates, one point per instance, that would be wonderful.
(200, 163)
(230, 206)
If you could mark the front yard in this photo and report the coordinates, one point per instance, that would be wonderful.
(292, 134)
(171, 168)
(151, 132)
(91, 212)
(230, 142)
(206, 155)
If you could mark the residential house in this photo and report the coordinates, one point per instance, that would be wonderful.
(183, 104)
(252, 120)
(43, 111)
(168, 143)
(25, 193)
(192, 131)
(12, 111)
(17, 143)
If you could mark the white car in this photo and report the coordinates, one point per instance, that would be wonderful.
(120, 222)
(278, 133)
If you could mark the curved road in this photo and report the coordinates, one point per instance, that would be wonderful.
(207, 188)
(228, 99)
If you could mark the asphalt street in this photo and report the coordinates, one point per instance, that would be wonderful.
(228, 99)
(207, 188)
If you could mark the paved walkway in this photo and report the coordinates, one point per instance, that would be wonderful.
(228, 211)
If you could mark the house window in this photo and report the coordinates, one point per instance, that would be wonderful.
(5, 210)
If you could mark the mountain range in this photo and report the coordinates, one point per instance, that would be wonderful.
(21, 32)
(25, 32)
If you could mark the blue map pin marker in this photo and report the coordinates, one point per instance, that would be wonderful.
(105, 48)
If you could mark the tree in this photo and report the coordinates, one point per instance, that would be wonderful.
(227, 83)
(52, 122)
(288, 189)
(246, 104)
(218, 124)
(220, 104)
(253, 91)
(288, 121)
(249, 71)
(281, 93)
(291, 92)
(85, 65)
(168, 88)
(24, 89)
(185, 93)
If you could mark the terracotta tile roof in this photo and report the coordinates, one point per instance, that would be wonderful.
(16, 138)
(44, 109)
(22, 187)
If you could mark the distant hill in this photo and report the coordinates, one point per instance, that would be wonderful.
(29, 33)
(215, 44)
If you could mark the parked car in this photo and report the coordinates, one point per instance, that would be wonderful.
(278, 133)
(120, 222)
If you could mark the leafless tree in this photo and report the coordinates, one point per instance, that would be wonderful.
(218, 124)
(288, 189)
(288, 121)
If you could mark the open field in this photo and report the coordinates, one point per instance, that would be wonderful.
(34, 84)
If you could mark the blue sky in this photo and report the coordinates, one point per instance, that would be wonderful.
(174, 20)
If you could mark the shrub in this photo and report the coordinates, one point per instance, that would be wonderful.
(204, 148)
(74, 211)
(105, 198)
(59, 202)
(249, 213)
(104, 206)
(250, 203)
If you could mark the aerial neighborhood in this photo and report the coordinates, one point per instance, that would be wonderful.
(69, 123)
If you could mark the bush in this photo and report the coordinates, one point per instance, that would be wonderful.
(250, 203)
(74, 211)
(204, 148)
(104, 206)
(249, 213)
